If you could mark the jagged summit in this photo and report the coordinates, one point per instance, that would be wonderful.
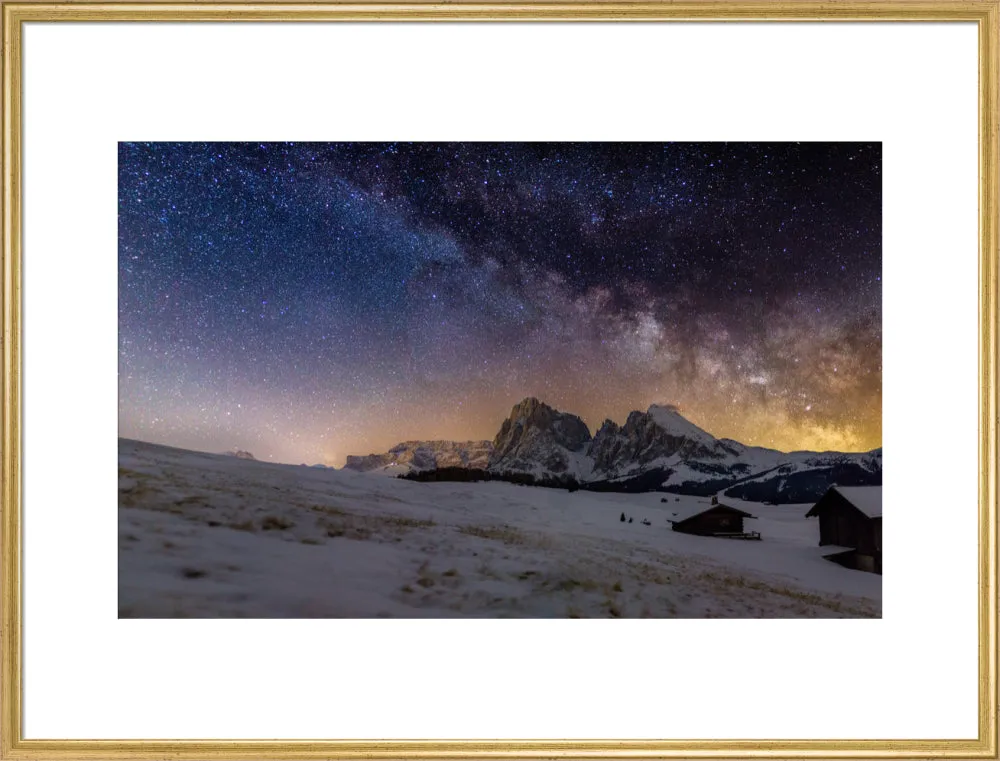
(527, 404)
(536, 438)
(241, 453)
(608, 425)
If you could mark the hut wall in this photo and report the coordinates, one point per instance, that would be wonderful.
(712, 522)
(827, 528)
(858, 561)
(846, 527)
(866, 540)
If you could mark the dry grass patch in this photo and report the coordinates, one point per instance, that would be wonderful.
(652, 574)
(571, 584)
(356, 532)
(401, 521)
(506, 534)
(328, 510)
(503, 534)
(338, 523)
(801, 600)
(275, 523)
(137, 493)
(138, 475)
(194, 499)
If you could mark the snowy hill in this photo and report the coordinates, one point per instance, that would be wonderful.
(805, 476)
(203, 535)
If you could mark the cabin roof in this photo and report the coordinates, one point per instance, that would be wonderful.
(867, 499)
(681, 513)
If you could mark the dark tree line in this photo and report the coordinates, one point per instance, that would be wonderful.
(478, 474)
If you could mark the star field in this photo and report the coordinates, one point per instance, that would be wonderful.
(309, 301)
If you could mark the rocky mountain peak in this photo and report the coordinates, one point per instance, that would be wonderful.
(536, 436)
(531, 409)
(530, 413)
(609, 426)
(664, 408)
(659, 435)
(240, 453)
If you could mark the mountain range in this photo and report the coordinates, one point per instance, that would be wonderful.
(656, 450)
(411, 456)
(241, 453)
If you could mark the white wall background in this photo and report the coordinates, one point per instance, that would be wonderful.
(910, 675)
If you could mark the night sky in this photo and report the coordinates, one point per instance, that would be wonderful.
(308, 301)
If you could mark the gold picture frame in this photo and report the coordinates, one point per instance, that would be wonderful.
(984, 13)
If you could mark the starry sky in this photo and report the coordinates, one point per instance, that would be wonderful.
(306, 301)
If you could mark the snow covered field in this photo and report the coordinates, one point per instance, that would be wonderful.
(205, 535)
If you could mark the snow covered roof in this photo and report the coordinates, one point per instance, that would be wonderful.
(680, 513)
(868, 499)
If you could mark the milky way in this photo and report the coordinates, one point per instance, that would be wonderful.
(310, 301)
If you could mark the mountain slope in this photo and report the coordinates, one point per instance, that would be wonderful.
(660, 449)
(658, 438)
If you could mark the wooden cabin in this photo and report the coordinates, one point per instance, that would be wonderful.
(850, 517)
(715, 519)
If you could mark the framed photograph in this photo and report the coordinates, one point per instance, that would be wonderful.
(499, 380)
